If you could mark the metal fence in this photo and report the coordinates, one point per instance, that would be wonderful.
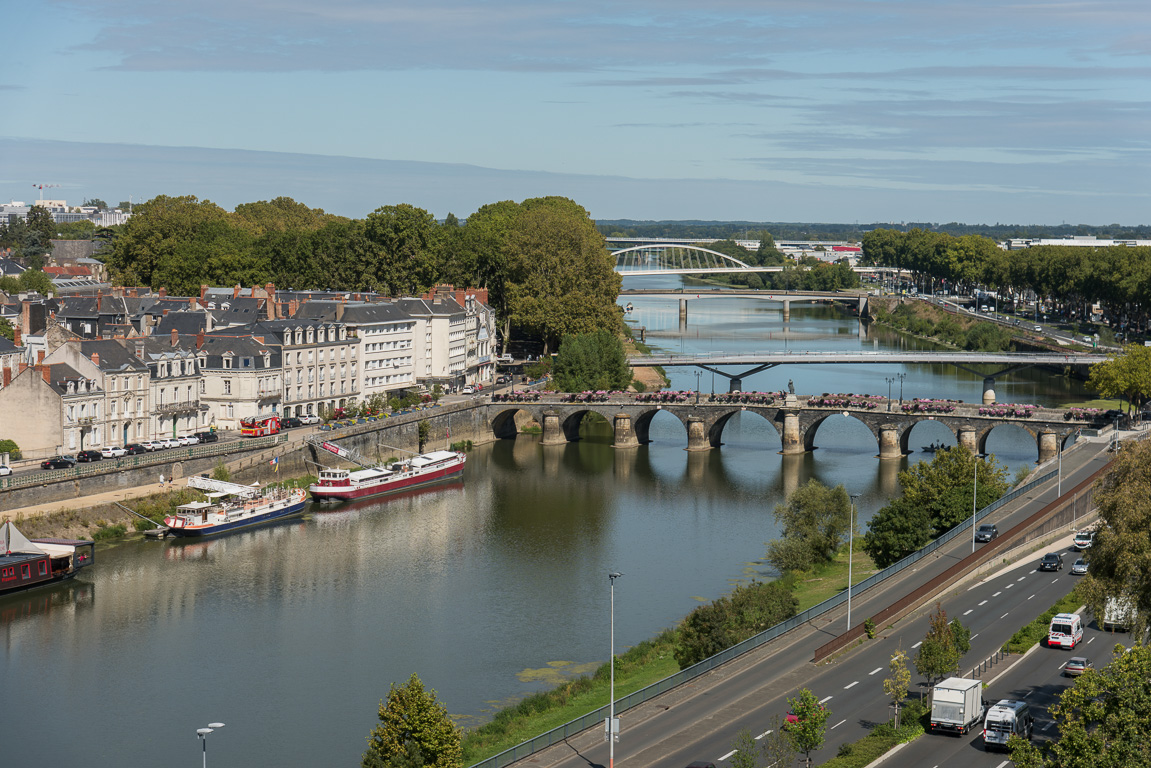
(573, 727)
(168, 456)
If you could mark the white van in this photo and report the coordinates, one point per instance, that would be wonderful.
(1066, 631)
(1004, 719)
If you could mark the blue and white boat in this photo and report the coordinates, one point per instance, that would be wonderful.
(231, 507)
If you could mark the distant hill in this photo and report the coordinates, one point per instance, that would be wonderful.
(791, 230)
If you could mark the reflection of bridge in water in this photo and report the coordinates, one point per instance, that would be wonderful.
(762, 361)
(796, 422)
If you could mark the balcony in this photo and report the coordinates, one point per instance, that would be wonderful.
(266, 393)
(179, 406)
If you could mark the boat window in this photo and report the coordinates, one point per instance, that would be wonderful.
(43, 567)
(26, 571)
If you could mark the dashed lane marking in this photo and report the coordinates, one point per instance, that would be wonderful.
(997, 594)
(877, 669)
(1089, 640)
(729, 754)
(1021, 578)
(841, 722)
(1009, 586)
(851, 685)
(1004, 616)
(825, 699)
(1030, 597)
(1004, 764)
(760, 736)
(984, 603)
(968, 611)
(1055, 581)
(974, 636)
(917, 644)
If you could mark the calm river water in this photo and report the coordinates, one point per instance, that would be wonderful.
(489, 589)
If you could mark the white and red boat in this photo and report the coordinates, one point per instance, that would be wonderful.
(426, 468)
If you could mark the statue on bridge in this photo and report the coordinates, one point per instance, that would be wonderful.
(791, 386)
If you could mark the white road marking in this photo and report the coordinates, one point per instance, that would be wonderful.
(1055, 581)
(984, 603)
(729, 754)
(1004, 616)
(973, 636)
(841, 722)
(851, 685)
(1030, 597)
(997, 594)
(1021, 578)
(1089, 640)
(1009, 586)
(917, 644)
(825, 699)
(877, 669)
(968, 611)
(760, 736)
(1004, 764)
(1047, 725)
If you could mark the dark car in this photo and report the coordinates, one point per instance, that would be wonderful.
(986, 532)
(135, 449)
(88, 456)
(1052, 561)
(502, 380)
(290, 422)
(207, 437)
(58, 462)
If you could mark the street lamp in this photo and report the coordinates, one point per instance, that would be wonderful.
(890, 381)
(612, 725)
(850, 552)
(202, 733)
(974, 494)
(697, 375)
(901, 377)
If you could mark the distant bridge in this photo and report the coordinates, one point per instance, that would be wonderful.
(856, 298)
(762, 361)
(681, 259)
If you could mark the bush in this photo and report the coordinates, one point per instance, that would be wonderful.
(220, 472)
(10, 447)
(749, 610)
(106, 531)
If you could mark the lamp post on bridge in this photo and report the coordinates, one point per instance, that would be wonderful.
(890, 380)
(901, 377)
(697, 375)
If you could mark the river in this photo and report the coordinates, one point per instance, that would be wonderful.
(489, 588)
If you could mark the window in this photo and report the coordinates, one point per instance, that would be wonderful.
(227, 386)
(26, 571)
(43, 567)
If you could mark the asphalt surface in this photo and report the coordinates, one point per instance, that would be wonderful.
(700, 720)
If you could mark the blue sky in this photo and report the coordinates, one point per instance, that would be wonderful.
(824, 110)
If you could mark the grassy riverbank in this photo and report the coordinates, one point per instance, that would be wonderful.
(637, 668)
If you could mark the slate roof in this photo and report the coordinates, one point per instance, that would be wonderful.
(60, 374)
(114, 358)
(215, 347)
(183, 322)
(9, 268)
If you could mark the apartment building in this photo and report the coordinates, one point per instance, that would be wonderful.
(321, 363)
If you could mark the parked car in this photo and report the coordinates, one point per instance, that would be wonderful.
(1052, 561)
(88, 456)
(468, 390)
(502, 379)
(1083, 540)
(134, 449)
(169, 442)
(208, 437)
(113, 452)
(58, 462)
(1038, 328)
(310, 418)
(1076, 666)
(986, 532)
(1079, 567)
(289, 422)
(185, 440)
(151, 445)
(5, 470)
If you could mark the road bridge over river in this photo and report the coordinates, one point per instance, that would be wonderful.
(857, 299)
(762, 361)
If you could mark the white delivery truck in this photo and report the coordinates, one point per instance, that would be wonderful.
(956, 705)
(1006, 718)
(1118, 613)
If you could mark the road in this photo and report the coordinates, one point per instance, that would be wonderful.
(702, 722)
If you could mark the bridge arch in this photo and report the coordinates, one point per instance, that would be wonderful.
(675, 259)
(768, 416)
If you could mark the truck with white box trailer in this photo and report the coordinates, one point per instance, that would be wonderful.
(956, 705)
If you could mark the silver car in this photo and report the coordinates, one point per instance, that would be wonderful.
(1079, 567)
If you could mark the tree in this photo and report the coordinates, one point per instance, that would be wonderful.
(808, 731)
(39, 219)
(896, 685)
(1102, 718)
(943, 646)
(813, 524)
(776, 746)
(746, 751)
(424, 429)
(750, 609)
(6, 330)
(1127, 375)
(96, 203)
(591, 361)
(412, 717)
(405, 242)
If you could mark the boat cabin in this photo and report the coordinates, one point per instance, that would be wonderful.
(27, 563)
(192, 513)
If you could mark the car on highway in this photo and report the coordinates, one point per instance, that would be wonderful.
(1076, 666)
(1038, 328)
(1052, 561)
(310, 418)
(5, 470)
(1079, 567)
(1083, 540)
(58, 462)
(134, 449)
(88, 456)
(986, 532)
(113, 452)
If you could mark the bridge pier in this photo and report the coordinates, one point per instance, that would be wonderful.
(734, 384)
(683, 310)
(792, 442)
(553, 432)
(624, 434)
(966, 438)
(889, 442)
(1048, 445)
(787, 310)
(696, 435)
(988, 391)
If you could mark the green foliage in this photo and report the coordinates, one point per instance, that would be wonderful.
(10, 447)
(76, 230)
(808, 732)
(746, 751)
(943, 647)
(538, 369)
(748, 610)
(1036, 630)
(1102, 719)
(1127, 375)
(220, 472)
(897, 684)
(936, 496)
(424, 429)
(591, 361)
(814, 525)
(869, 628)
(7, 331)
(412, 715)
(109, 531)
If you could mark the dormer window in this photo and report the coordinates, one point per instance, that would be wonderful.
(267, 360)
(227, 361)
(299, 336)
(310, 336)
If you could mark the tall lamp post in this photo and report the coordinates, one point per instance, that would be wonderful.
(901, 377)
(202, 733)
(697, 375)
(850, 552)
(612, 724)
(890, 381)
(974, 496)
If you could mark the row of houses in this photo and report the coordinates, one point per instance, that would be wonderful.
(133, 365)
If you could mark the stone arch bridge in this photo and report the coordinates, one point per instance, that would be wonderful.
(796, 422)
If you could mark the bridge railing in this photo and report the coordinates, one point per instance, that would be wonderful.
(625, 703)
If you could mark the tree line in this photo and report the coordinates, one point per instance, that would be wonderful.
(545, 265)
(748, 230)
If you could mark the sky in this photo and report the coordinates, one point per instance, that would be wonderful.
(983, 111)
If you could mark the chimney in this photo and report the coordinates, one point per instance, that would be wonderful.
(162, 292)
(199, 340)
(132, 293)
(293, 307)
(175, 338)
(236, 291)
(99, 297)
(7, 376)
(23, 367)
(96, 358)
(203, 290)
(164, 313)
(191, 302)
(140, 350)
(46, 372)
(16, 339)
(40, 357)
